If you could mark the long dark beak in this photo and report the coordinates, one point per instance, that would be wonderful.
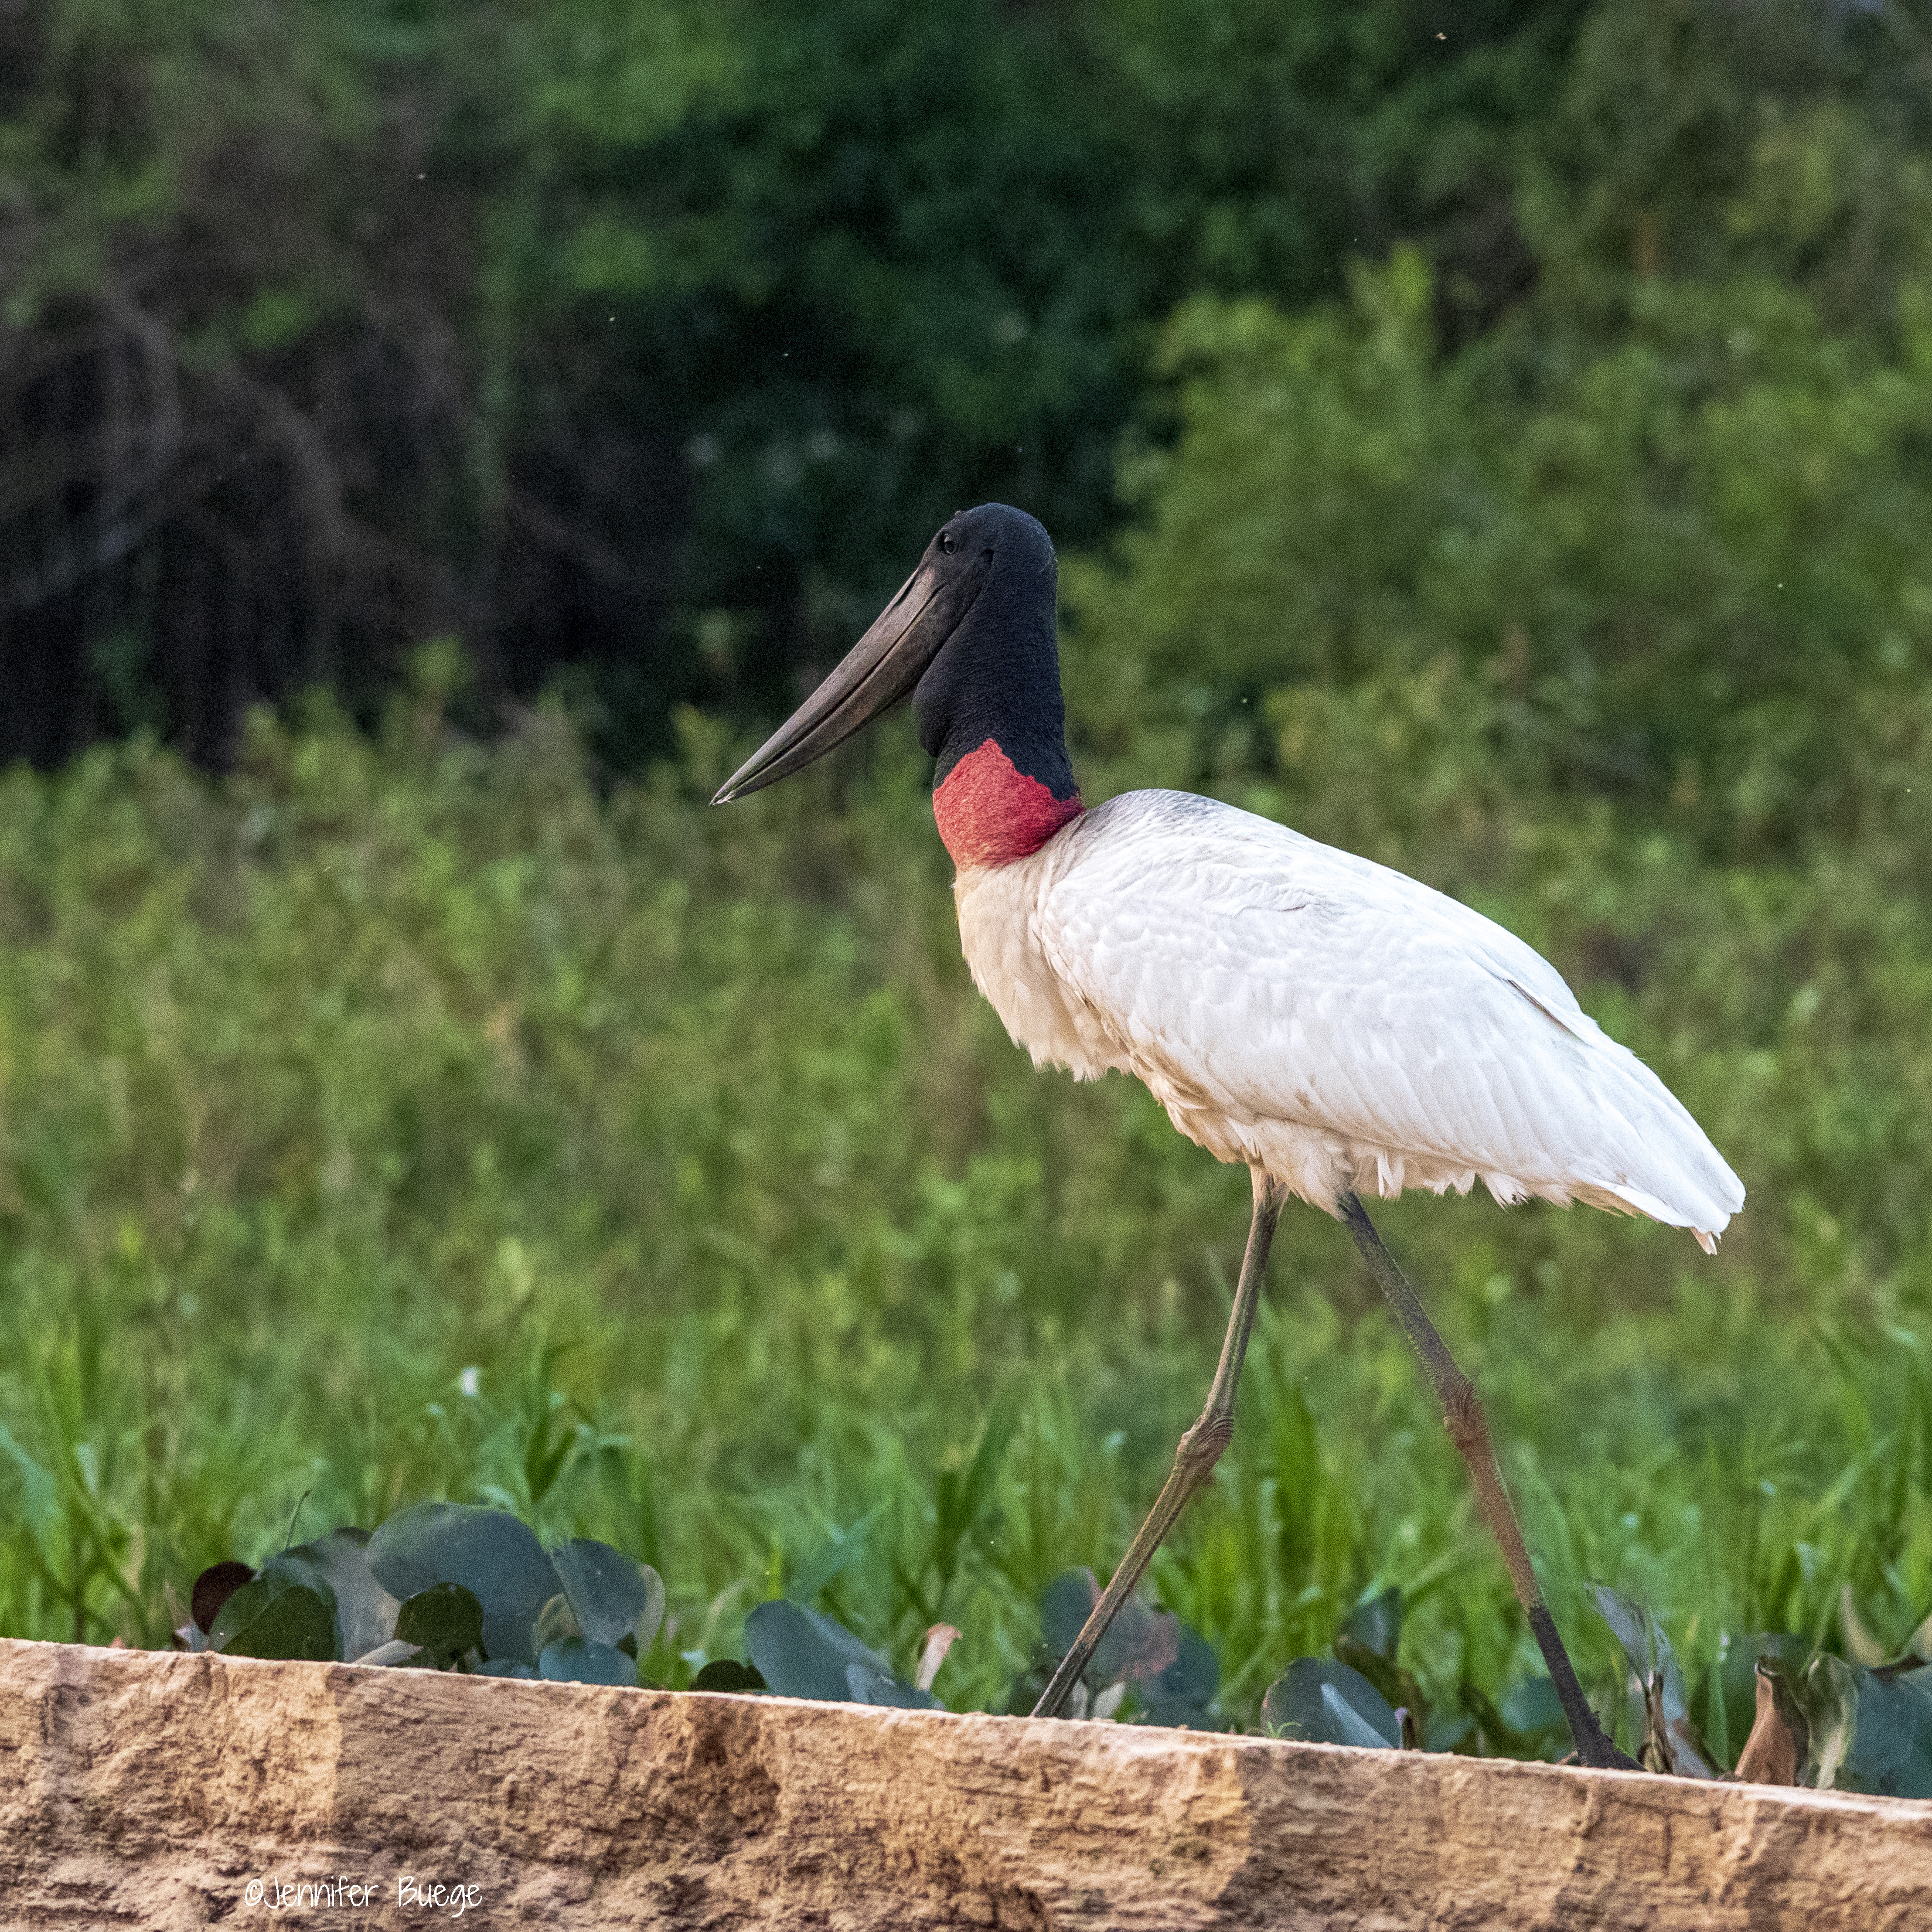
(879, 670)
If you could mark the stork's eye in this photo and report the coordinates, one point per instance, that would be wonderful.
(945, 542)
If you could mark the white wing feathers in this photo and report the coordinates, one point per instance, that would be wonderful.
(1336, 1022)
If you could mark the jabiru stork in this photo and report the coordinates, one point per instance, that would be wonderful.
(1336, 1028)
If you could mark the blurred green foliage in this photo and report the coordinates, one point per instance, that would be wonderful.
(1685, 570)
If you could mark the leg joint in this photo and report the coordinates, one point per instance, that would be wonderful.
(1201, 1447)
(1463, 1416)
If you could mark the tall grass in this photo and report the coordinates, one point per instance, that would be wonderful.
(400, 1118)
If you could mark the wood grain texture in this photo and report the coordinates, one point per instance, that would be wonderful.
(146, 1789)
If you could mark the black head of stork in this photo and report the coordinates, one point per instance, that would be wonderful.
(970, 638)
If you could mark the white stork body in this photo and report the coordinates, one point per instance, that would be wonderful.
(1319, 1016)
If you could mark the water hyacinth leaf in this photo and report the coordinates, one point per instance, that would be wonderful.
(1172, 1670)
(1399, 1690)
(1140, 1645)
(801, 1653)
(1655, 1684)
(1891, 1755)
(213, 1588)
(1645, 1647)
(870, 1684)
(1318, 1702)
(574, 1661)
(365, 1612)
(492, 1555)
(1376, 1624)
(1869, 1732)
(276, 1616)
(613, 1595)
(726, 1673)
(445, 1621)
(1065, 1605)
(556, 1623)
(1182, 1693)
(1531, 1708)
(1500, 1738)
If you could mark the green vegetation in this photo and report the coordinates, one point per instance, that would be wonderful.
(399, 1119)
(1507, 455)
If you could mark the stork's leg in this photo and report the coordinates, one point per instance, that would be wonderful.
(1462, 1415)
(1194, 1460)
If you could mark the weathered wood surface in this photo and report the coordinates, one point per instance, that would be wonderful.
(141, 1788)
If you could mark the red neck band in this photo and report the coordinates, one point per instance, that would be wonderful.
(991, 813)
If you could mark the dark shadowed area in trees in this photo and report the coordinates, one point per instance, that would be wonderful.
(639, 346)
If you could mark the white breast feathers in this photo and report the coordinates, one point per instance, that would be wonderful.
(1341, 1026)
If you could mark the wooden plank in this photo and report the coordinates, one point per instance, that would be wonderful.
(143, 1788)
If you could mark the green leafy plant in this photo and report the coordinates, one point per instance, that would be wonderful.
(1150, 1666)
(801, 1652)
(1319, 1702)
(440, 1586)
(1841, 1726)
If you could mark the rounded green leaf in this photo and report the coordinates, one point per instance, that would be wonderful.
(1065, 1605)
(576, 1661)
(1316, 1702)
(446, 1620)
(801, 1653)
(726, 1673)
(213, 1588)
(1870, 1730)
(1375, 1623)
(365, 1612)
(613, 1595)
(869, 1684)
(1532, 1706)
(1182, 1693)
(1645, 1647)
(490, 1553)
(276, 1616)
(556, 1623)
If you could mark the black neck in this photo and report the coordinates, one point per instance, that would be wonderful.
(998, 677)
